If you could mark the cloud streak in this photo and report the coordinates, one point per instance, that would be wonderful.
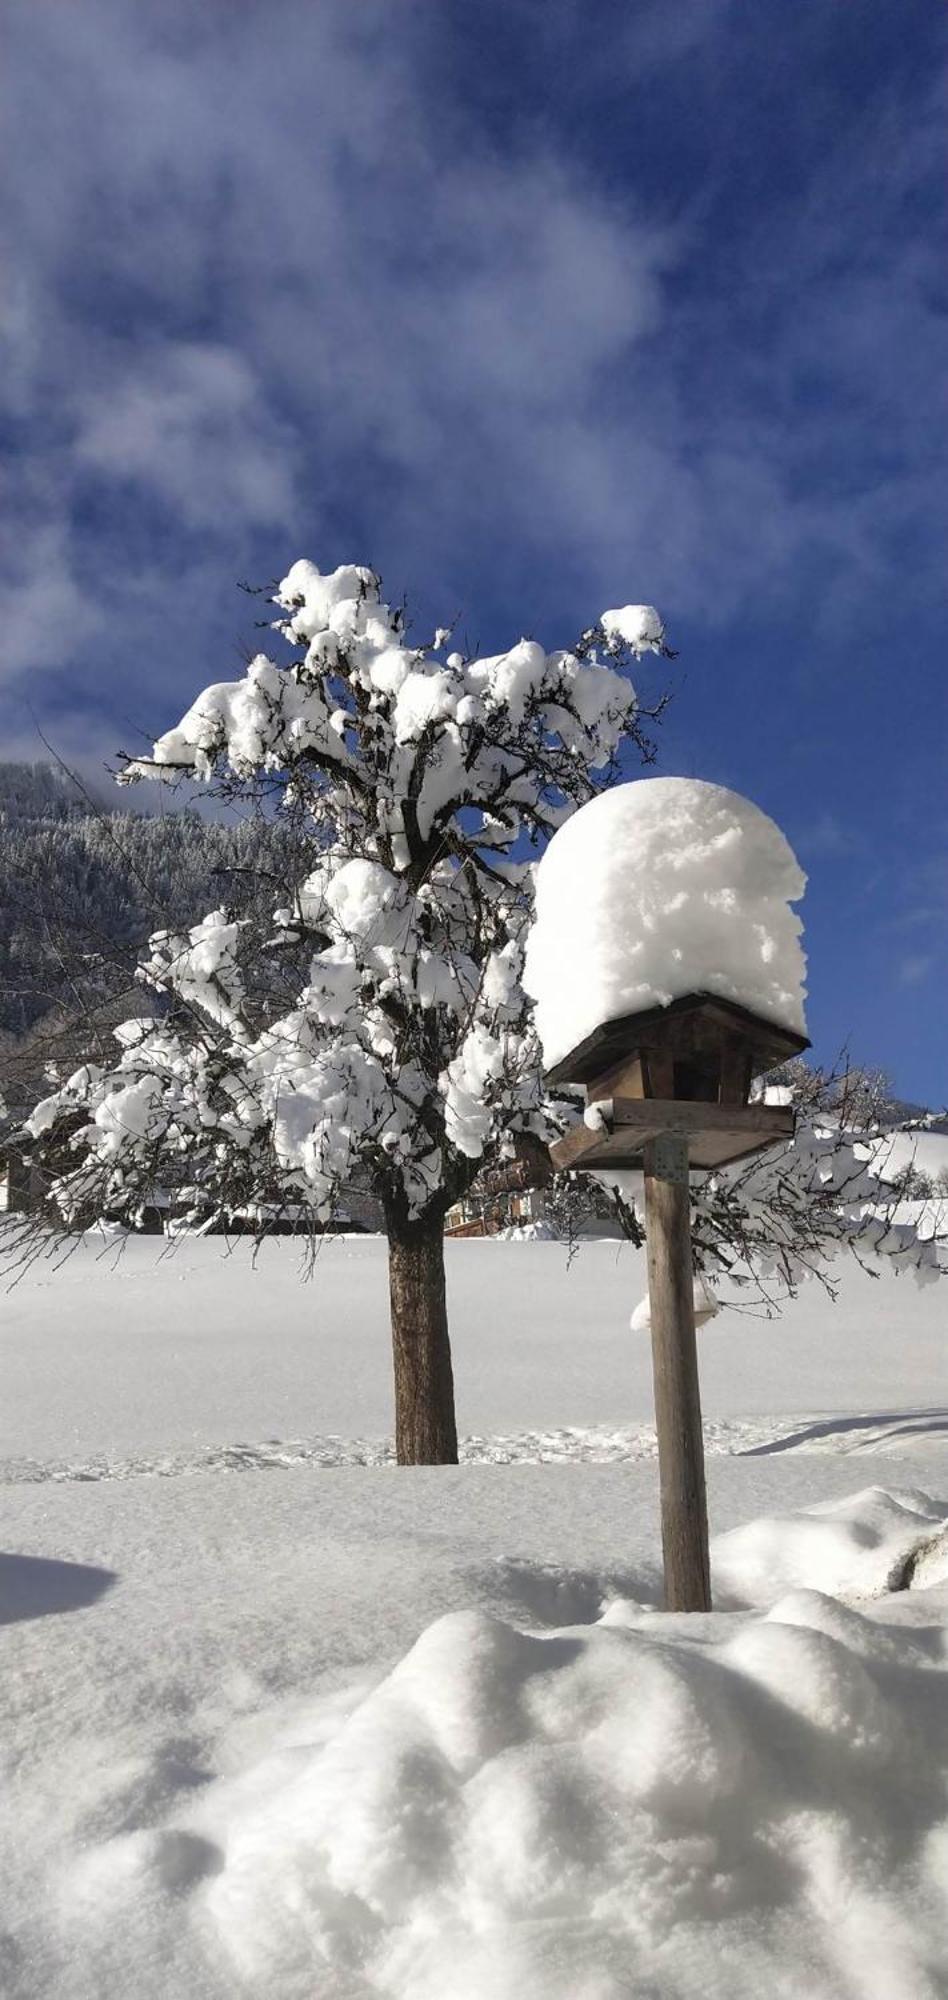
(277, 287)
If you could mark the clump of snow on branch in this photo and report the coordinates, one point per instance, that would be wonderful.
(201, 968)
(782, 1216)
(704, 1304)
(271, 716)
(656, 889)
(636, 625)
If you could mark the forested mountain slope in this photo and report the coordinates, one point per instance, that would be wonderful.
(82, 885)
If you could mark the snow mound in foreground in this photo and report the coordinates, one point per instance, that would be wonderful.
(656, 889)
(544, 1818)
(863, 1545)
(693, 1807)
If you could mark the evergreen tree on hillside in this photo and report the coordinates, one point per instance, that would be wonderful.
(82, 887)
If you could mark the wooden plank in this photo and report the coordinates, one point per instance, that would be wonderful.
(583, 1148)
(625, 1080)
(670, 1114)
(675, 1370)
(660, 1071)
(716, 1133)
(735, 1070)
(723, 1149)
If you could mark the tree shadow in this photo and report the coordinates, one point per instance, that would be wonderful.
(897, 1423)
(36, 1587)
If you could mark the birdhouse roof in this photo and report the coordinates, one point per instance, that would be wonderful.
(767, 1043)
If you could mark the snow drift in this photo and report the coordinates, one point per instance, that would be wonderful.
(646, 1805)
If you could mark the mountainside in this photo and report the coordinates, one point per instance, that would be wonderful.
(83, 884)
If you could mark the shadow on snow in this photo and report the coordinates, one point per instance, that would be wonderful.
(36, 1587)
(895, 1423)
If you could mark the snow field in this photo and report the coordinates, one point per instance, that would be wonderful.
(554, 1791)
(371, 1735)
(178, 1359)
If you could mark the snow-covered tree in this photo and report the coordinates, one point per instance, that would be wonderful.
(375, 1032)
(784, 1216)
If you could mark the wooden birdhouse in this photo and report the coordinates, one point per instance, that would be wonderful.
(669, 885)
(686, 1068)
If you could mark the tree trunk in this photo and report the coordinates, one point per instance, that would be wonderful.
(425, 1429)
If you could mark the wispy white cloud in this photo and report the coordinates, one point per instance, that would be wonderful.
(272, 291)
(827, 835)
(915, 968)
(46, 615)
(191, 423)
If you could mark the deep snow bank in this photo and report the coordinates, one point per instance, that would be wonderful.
(866, 1543)
(566, 1815)
(642, 1806)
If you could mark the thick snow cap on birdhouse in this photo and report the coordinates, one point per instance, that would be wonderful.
(659, 889)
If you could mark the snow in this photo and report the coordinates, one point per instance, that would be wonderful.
(549, 1814)
(657, 889)
(861, 1543)
(704, 1303)
(927, 1151)
(186, 1348)
(297, 1737)
(635, 625)
(270, 716)
(314, 599)
(362, 897)
(405, 767)
(928, 1217)
(289, 1723)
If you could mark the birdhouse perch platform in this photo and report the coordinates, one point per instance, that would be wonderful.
(716, 1133)
(686, 1068)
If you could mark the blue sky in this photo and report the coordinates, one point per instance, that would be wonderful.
(538, 307)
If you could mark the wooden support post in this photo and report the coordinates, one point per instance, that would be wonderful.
(675, 1369)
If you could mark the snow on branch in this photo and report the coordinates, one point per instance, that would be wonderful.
(786, 1215)
(372, 1025)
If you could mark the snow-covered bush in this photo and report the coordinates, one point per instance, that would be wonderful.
(375, 1031)
(785, 1215)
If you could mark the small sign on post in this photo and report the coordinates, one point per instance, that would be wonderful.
(671, 1082)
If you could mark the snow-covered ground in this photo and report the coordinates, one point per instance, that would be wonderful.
(192, 1358)
(928, 1151)
(337, 1731)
